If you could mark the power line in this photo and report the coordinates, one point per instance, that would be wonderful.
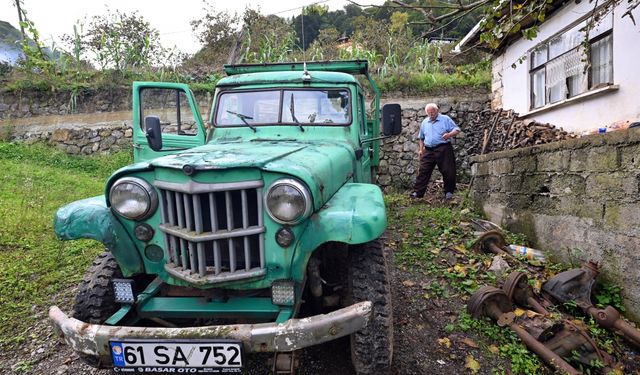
(274, 14)
(300, 7)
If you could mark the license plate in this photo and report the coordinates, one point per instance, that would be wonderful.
(186, 357)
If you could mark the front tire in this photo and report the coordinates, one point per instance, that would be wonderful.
(95, 301)
(372, 346)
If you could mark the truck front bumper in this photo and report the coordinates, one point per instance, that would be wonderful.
(93, 339)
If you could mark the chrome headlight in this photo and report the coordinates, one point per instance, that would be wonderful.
(288, 201)
(133, 198)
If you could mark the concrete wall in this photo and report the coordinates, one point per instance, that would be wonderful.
(577, 199)
(591, 112)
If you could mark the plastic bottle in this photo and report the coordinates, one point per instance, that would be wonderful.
(527, 252)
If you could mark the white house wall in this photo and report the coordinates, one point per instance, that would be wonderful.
(592, 112)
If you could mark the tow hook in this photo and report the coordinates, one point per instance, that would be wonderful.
(284, 363)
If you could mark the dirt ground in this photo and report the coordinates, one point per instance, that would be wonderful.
(419, 325)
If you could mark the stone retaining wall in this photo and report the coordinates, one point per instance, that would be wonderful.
(578, 199)
(32, 103)
(398, 156)
(85, 139)
(111, 131)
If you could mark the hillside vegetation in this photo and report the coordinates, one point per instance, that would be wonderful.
(116, 48)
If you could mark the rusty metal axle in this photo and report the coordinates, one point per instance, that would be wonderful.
(576, 285)
(567, 338)
(494, 303)
(518, 290)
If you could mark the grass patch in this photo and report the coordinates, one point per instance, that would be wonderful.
(36, 181)
(430, 82)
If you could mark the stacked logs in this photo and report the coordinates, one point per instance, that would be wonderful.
(506, 131)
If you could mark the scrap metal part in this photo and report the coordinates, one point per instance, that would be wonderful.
(93, 339)
(517, 288)
(489, 301)
(576, 285)
(564, 338)
(492, 242)
(573, 285)
(494, 303)
(573, 341)
(284, 363)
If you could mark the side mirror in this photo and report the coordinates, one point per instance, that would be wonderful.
(391, 119)
(154, 132)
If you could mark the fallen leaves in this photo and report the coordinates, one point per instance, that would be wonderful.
(469, 342)
(445, 342)
(461, 249)
(519, 312)
(460, 270)
(472, 364)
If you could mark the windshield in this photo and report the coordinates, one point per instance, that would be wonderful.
(295, 107)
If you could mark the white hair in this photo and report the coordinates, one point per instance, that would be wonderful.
(431, 105)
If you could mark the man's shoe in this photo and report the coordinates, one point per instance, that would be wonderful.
(448, 196)
(414, 195)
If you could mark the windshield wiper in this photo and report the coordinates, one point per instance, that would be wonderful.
(244, 118)
(293, 113)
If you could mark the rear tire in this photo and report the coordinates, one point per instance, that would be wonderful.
(368, 280)
(95, 301)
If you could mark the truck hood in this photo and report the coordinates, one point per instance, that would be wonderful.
(323, 165)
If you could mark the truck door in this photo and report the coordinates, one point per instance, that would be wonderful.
(366, 147)
(180, 120)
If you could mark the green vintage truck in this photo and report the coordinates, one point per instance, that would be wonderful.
(256, 231)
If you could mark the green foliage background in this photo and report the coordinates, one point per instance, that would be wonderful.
(114, 49)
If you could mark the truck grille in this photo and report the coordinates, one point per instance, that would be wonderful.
(213, 232)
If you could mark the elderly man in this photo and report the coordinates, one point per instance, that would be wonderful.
(434, 150)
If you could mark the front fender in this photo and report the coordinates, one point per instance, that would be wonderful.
(91, 218)
(355, 214)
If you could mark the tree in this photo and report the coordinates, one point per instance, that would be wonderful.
(120, 41)
(266, 38)
(501, 19)
(18, 5)
(314, 19)
(34, 59)
(371, 34)
(217, 29)
(324, 47)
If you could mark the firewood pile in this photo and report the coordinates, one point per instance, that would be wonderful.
(506, 131)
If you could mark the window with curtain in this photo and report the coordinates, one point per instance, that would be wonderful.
(562, 68)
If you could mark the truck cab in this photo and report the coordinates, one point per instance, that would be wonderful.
(255, 231)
